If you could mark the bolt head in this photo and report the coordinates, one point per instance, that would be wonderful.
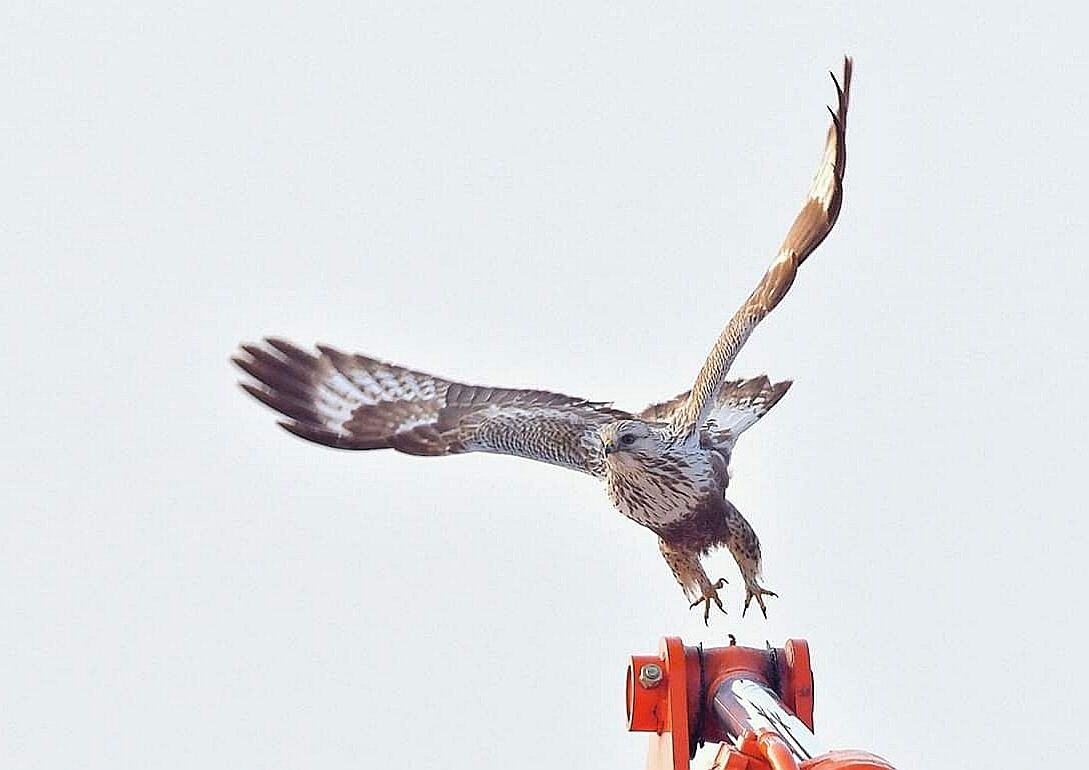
(650, 675)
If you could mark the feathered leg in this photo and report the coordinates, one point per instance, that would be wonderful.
(686, 567)
(745, 547)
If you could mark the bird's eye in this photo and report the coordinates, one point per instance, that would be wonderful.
(627, 439)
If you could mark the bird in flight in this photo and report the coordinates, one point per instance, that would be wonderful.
(665, 467)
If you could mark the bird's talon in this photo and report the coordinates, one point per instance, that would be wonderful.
(710, 595)
(757, 593)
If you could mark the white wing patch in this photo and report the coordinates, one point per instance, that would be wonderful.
(367, 389)
(738, 405)
(333, 407)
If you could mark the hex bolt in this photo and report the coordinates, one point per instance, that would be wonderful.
(650, 676)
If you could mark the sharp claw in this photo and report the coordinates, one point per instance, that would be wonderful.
(707, 598)
(759, 595)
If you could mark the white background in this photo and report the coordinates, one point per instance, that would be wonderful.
(561, 195)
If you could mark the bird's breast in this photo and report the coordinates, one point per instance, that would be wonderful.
(663, 491)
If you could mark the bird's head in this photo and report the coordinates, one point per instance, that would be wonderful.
(629, 441)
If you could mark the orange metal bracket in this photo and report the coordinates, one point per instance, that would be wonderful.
(669, 695)
(660, 704)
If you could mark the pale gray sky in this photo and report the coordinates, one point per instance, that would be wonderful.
(565, 195)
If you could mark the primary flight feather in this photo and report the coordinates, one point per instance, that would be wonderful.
(665, 467)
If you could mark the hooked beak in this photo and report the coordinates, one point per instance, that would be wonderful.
(610, 447)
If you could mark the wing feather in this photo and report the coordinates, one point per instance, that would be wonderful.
(812, 225)
(356, 402)
(737, 407)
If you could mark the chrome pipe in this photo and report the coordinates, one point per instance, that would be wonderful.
(744, 704)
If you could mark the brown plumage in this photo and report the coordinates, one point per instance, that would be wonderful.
(665, 467)
(812, 225)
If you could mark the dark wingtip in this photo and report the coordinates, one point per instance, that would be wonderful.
(290, 350)
(253, 390)
(294, 428)
(332, 439)
(285, 403)
(240, 360)
(312, 434)
(848, 68)
(246, 365)
(843, 94)
(843, 90)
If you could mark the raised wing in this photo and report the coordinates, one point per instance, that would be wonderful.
(355, 402)
(736, 408)
(811, 226)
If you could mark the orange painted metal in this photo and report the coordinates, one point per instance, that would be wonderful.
(775, 751)
(677, 707)
(847, 760)
(750, 756)
(669, 747)
(646, 706)
(728, 759)
(757, 753)
(799, 674)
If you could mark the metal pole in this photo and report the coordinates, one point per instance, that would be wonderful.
(746, 705)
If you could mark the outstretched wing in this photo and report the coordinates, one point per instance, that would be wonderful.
(736, 408)
(812, 225)
(355, 402)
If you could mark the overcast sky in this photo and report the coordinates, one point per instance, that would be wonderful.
(571, 196)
